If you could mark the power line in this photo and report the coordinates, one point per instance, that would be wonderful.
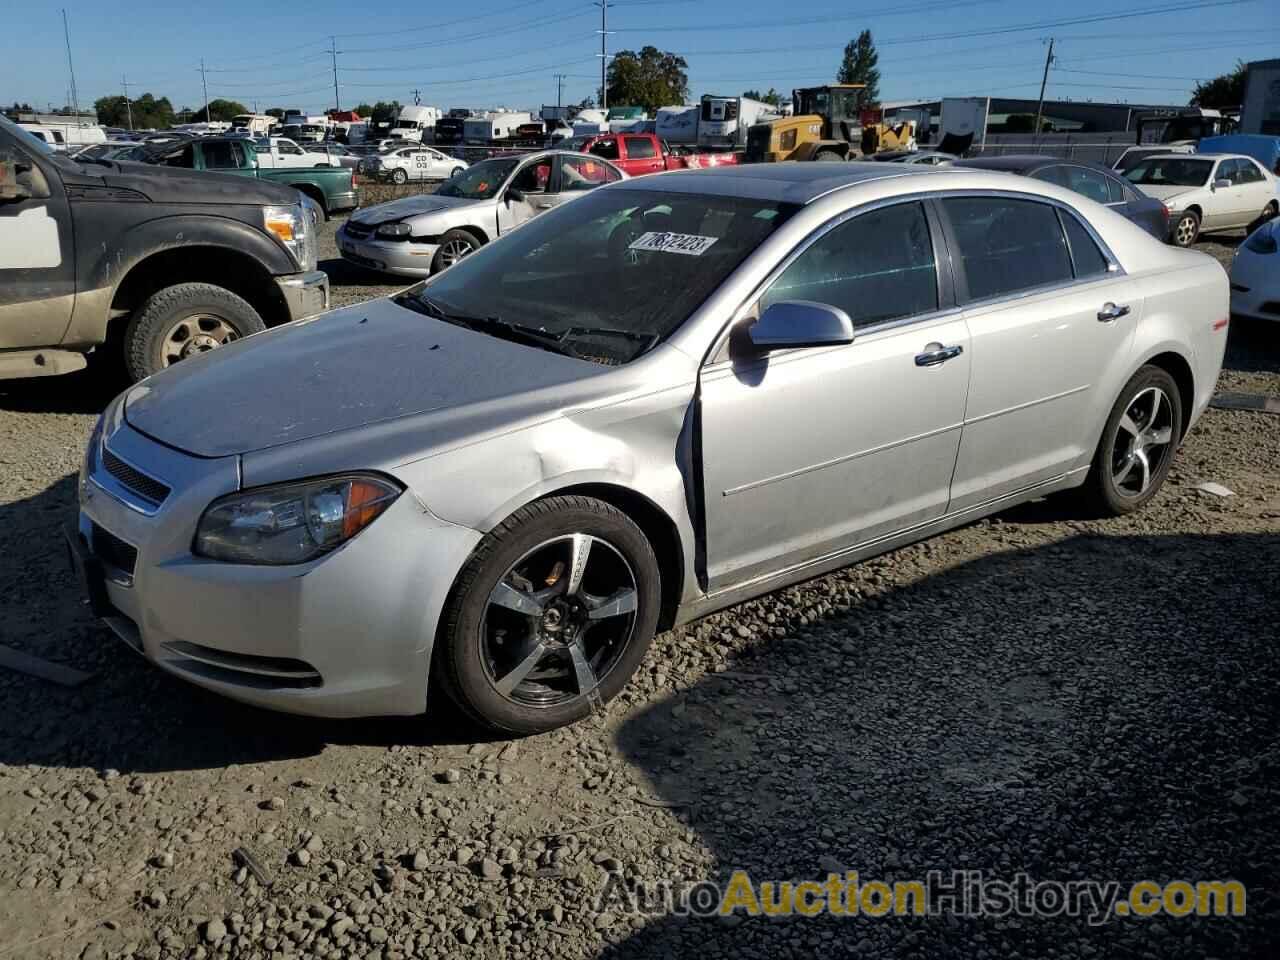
(470, 60)
(487, 35)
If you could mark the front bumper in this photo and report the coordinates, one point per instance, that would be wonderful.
(1255, 285)
(347, 635)
(404, 258)
(343, 201)
(306, 294)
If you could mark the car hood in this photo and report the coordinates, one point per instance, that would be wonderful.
(179, 185)
(1166, 193)
(344, 370)
(396, 210)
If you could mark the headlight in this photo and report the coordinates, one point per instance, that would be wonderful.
(1263, 240)
(292, 227)
(292, 523)
(395, 231)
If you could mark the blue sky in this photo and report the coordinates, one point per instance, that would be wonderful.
(486, 54)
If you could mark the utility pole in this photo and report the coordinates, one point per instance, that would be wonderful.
(604, 56)
(417, 97)
(1048, 60)
(66, 34)
(559, 90)
(127, 105)
(205, 84)
(333, 51)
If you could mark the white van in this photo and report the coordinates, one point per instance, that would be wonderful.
(66, 136)
(496, 126)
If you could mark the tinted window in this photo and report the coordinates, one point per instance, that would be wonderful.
(534, 177)
(583, 173)
(1088, 183)
(640, 148)
(605, 148)
(1116, 189)
(876, 267)
(1056, 175)
(1085, 254)
(220, 155)
(1251, 172)
(1007, 245)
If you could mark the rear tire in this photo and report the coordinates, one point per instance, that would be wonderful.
(1186, 230)
(1137, 447)
(399, 177)
(184, 320)
(505, 652)
(828, 156)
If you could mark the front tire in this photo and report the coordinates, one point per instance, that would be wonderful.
(454, 245)
(828, 156)
(181, 321)
(550, 617)
(1137, 446)
(1186, 230)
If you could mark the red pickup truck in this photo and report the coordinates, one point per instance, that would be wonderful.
(641, 153)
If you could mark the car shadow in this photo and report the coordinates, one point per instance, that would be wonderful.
(1252, 346)
(86, 391)
(344, 274)
(1104, 707)
(131, 716)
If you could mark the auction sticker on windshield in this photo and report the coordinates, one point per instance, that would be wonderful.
(665, 242)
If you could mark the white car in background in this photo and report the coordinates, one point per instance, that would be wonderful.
(1255, 274)
(413, 163)
(281, 153)
(1216, 191)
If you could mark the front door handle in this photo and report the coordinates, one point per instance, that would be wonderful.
(1111, 311)
(936, 353)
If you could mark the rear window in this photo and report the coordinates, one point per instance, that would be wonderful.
(1007, 246)
(1086, 256)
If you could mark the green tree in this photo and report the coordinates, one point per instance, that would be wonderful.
(146, 111)
(651, 79)
(859, 66)
(1224, 91)
(363, 109)
(773, 96)
(221, 110)
(384, 112)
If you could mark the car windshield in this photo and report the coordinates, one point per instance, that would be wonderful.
(481, 182)
(607, 276)
(1170, 172)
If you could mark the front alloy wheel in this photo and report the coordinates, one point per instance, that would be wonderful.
(550, 617)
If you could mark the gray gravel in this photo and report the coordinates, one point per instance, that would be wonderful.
(1036, 692)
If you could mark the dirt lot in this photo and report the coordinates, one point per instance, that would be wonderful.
(1037, 692)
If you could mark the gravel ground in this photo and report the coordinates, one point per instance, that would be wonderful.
(1037, 692)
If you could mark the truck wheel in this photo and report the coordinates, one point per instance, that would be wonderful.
(454, 245)
(828, 156)
(184, 320)
(400, 176)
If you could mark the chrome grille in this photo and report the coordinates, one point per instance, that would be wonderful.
(134, 480)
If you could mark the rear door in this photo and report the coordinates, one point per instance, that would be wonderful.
(808, 452)
(642, 155)
(1258, 187)
(37, 253)
(1047, 353)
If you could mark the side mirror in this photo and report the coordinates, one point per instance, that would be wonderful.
(801, 323)
(514, 194)
(1221, 183)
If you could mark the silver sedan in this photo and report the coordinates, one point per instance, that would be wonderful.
(419, 236)
(485, 487)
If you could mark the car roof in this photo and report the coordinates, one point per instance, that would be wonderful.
(788, 182)
(1027, 162)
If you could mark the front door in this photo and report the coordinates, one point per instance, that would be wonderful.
(532, 183)
(1047, 351)
(37, 255)
(810, 451)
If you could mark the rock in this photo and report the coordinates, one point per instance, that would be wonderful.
(490, 869)
(163, 860)
(341, 926)
(320, 911)
(378, 935)
(302, 857)
(462, 856)
(274, 803)
(214, 931)
(450, 776)
(468, 934)
(421, 860)
(157, 898)
(510, 753)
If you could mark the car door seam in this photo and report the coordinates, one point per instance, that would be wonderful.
(1023, 406)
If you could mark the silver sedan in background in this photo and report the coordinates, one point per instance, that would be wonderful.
(764, 373)
(419, 236)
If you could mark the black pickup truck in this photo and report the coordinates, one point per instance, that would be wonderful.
(158, 262)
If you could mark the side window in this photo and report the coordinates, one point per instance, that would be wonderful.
(534, 177)
(1116, 189)
(1088, 183)
(605, 148)
(1085, 255)
(876, 267)
(1249, 172)
(1227, 170)
(290, 149)
(584, 173)
(219, 155)
(186, 157)
(1055, 174)
(1007, 245)
(640, 148)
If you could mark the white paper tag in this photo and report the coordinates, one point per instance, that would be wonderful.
(663, 241)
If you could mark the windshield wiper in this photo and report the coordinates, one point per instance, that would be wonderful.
(495, 325)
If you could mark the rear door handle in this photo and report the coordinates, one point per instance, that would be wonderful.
(936, 353)
(1111, 311)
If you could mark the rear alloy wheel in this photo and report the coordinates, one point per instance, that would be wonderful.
(454, 245)
(400, 176)
(1187, 229)
(182, 321)
(551, 616)
(1138, 443)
